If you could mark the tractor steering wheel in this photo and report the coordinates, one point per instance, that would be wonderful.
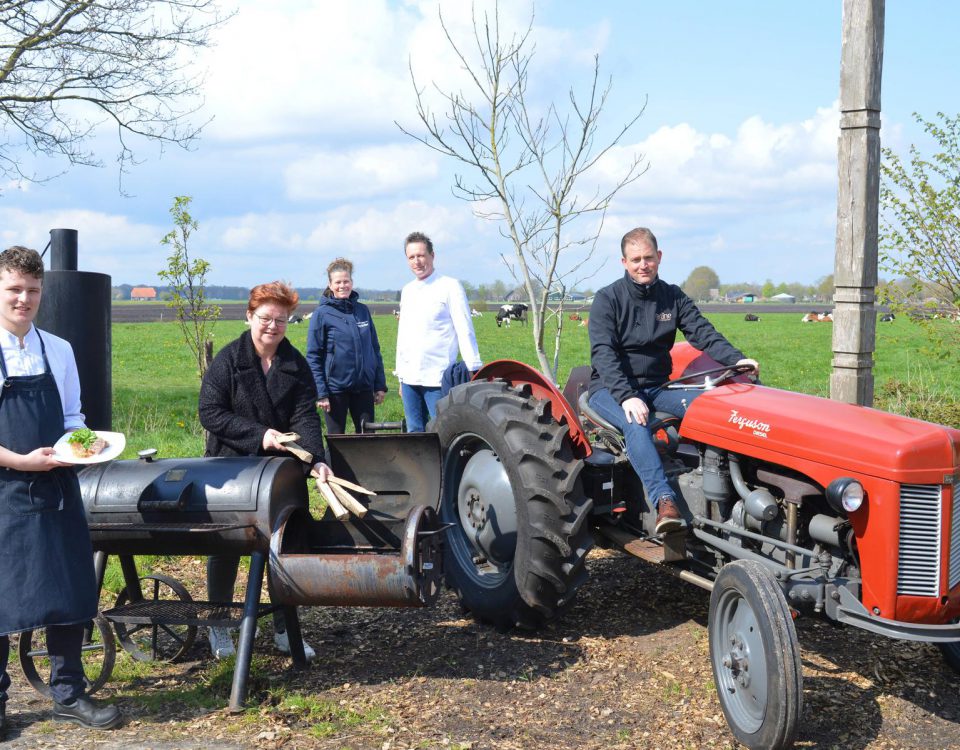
(726, 372)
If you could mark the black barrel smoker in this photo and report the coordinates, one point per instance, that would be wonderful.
(259, 507)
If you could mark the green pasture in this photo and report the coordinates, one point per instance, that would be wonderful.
(155, 383)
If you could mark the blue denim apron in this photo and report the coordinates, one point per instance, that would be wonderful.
(46, 560)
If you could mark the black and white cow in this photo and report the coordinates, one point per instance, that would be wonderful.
(512, 311)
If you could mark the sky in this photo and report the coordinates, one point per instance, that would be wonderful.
(303, 160)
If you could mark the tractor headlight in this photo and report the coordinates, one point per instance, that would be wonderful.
(845, 495)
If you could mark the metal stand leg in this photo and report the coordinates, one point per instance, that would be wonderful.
(248, 628)
(99, 569)
(295, 637)
(130, 578)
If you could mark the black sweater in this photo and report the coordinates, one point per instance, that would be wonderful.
(238, 402)
(633, 328)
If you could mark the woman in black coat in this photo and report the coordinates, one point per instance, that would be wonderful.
(257, 388)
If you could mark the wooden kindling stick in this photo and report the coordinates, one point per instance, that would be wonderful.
(352, 486)
(289, 439)
(348, 500)
(333, 502)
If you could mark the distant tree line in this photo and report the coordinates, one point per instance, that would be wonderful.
(703, 285)
(496, 291)
(241, 293)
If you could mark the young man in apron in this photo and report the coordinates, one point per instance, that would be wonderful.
(46, 561)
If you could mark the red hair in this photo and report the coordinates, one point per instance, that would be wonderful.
(276, 292)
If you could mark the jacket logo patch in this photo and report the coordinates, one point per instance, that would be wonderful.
(363, 324)
(662, 317)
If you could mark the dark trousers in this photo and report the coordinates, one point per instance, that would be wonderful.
(358, 404)
(66, 668)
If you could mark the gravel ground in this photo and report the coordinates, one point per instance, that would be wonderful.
(627, 667)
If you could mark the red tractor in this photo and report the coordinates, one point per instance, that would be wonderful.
(793, 505)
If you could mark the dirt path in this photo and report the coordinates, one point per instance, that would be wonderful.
(626, 668)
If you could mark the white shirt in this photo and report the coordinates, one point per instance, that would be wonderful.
(434, 323)
(63, 365)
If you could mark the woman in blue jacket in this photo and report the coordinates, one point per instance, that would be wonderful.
(344, 353)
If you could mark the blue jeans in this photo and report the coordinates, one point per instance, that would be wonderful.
(640, 448)
(419, 405)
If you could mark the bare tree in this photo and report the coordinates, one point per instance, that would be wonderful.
(67, 67)
(525, 169)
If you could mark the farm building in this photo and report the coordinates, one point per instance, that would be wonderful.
(143, 294)
(784, 297)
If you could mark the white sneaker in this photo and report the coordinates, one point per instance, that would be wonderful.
(221, 642)
(282, 642)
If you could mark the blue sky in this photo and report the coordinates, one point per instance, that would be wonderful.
(303, 162)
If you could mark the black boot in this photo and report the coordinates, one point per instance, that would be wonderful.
(87, 713)
(3, 718)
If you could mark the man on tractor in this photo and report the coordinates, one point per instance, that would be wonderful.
(633, 325)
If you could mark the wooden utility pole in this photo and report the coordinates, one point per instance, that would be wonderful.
(858, 202)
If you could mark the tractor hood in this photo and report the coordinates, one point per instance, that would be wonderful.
(756, 420)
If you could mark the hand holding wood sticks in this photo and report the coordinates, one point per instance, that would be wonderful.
(289, 441)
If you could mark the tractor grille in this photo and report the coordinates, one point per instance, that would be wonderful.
(918, 571)
(955, 541)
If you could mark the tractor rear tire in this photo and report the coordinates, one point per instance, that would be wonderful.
(755, 656)
(511, 488)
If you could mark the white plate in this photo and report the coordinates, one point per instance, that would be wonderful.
(116, 442)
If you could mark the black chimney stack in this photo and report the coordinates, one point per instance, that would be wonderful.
(76, 307)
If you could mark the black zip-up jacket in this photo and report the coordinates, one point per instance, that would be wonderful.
(633, 328)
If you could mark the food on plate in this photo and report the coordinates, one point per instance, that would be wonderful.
(85, 443)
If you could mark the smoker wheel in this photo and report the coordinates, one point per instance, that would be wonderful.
(156, 641)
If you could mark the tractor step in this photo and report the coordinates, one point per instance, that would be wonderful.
(670, 551)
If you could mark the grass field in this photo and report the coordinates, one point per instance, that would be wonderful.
(155, 383)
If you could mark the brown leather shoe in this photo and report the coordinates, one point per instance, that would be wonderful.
(668, 516)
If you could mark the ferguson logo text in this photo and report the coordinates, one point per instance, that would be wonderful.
(758, 428)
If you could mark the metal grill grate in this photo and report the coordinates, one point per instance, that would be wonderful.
(955, 540)
(918, 569)
(176, 612)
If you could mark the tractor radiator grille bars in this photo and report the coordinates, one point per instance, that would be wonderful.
(918, 570)
(955, 541)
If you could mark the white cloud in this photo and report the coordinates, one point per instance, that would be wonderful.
(288, 68)
(333, 71)
(759, 163)
(108, 243)
(359, 173)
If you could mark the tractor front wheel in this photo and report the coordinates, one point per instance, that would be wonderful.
(951, 655)
(755, 656)
(512, 492)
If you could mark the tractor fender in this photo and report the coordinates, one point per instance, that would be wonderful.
(518, 374)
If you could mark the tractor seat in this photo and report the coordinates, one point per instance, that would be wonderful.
(664, 426)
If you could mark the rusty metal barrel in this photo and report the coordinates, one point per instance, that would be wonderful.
(390, 557)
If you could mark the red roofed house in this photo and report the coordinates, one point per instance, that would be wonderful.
(143, 293)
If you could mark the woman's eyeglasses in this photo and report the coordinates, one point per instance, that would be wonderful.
(266, 320)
